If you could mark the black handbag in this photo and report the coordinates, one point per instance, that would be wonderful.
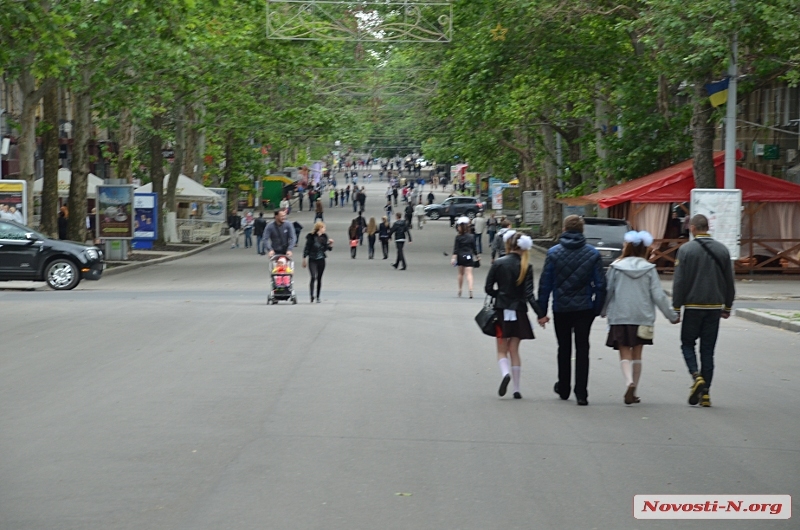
(487, 317)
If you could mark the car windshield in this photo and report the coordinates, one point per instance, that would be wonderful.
(606, 233)
(17, 231)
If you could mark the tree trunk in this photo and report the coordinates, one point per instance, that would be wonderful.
(27, 138)
(703, 130)
(200, 147)
(551, 226)
(191, 143)
(229, 157)
(157, 170)
(49, 219)
(76, 225)
(177, 163)
(126, 146)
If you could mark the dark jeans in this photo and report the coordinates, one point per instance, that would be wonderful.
(700, 324)
(491, 236)
(400, 255)
(579, 322)
(316, 268)
(301, 203)
(479, 243)
(385, 248)
(248, 237)
(371, 241)
(353, 252)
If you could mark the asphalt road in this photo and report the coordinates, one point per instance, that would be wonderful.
(173, 397)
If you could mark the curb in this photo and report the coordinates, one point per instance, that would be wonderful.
(165, 259)
(768, 320)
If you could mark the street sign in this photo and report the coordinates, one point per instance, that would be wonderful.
(723, 209)
(533, 207)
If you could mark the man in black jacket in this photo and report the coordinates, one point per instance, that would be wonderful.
(234, 228)
(573, 273)
(259, 225)
(703, 285)
(399, 231)
(279, 236)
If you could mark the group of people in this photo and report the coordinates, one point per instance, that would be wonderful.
(627, 295)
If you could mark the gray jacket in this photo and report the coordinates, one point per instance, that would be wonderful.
(703, 275)
(280, 239)
(498, 245)
(633, 292)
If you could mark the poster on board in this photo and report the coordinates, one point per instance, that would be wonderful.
(496, 191)
(217, 211)
(723, 208)
(115, 212)
(145, 224)
(533, 207)
(13, 200)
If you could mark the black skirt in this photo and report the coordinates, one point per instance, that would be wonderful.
(625, 335)
(520, 328)
(461, 261)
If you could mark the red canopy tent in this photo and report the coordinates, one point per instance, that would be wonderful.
(770, 226)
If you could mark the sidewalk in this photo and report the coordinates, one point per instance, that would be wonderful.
(765, 288)
(783, 319)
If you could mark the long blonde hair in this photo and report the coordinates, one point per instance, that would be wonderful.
(524, 263)
(372, 227)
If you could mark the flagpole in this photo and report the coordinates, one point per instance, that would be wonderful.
(730, 118)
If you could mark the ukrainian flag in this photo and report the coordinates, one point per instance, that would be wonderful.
(718, 92)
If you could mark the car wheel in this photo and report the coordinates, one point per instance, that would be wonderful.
(62, 275)
(471, 215)
(435, 215)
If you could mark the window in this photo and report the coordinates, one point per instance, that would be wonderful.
(9, 231)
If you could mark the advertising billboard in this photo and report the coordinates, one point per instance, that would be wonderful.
(115, 212)
(13, 200)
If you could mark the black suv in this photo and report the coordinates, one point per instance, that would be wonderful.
(607, 235)
(469, 206)
(28, 255)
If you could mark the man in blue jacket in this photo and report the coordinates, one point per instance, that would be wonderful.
(573, 273)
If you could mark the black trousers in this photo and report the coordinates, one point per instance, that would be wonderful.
(371, 241)
(700, 324)
(316, 268)
(400, 255)
(385, 248)
(579, 323)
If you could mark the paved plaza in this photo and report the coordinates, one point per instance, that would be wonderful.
(173, 397)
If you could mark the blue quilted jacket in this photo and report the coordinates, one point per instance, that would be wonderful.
(573, 273)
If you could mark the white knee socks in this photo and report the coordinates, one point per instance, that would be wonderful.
(627, 371)
(505, 366)
(515, 372)
(637, 371)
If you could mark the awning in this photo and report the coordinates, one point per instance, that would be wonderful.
(187, 190)
(64, 179)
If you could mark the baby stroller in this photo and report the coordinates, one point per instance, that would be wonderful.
(282, 274)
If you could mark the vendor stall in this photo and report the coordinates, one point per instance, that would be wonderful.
(770, 220)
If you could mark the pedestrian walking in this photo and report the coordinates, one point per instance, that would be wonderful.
(394, 194)
(372, 229)
(286, 205)
(479, 225)
(332, 197)
(573, 274)
(259, 226)
(347, 194)
(280, 237)
(634, 290)
(300, 195)
(362, 225)
(491, 228)
(513, 276)
(419, 213)
(409, 211)
(317, 244)
(499, 243)
(384, 230)
(63, 223)
(399, 230)
(336, 198)
(234, 227)
(703, 285)
(353, 233)
(465, 254)
(318, 210)
(431, 198)
(247, 227)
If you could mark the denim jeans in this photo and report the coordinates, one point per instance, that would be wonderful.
(700, 324)
(260, 244)
(248, 237)
(479, 243)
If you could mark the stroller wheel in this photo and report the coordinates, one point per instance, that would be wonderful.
(294, 300)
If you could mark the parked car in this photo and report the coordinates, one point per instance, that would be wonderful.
(25, 254)
(469, 206)
(607, 236)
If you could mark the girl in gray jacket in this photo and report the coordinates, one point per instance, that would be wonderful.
(634, 290)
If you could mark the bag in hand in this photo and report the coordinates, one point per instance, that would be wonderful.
(645, 332)
(487, 318)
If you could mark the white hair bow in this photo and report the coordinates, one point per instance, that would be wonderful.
(508, 235)
(525, 243)
(639, 238)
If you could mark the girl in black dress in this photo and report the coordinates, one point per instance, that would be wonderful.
(465, 254)
(514, 278)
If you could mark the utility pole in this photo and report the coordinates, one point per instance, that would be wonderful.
(730, 117)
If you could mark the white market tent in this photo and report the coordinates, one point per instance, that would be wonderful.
(187, 190)
(64, 179)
